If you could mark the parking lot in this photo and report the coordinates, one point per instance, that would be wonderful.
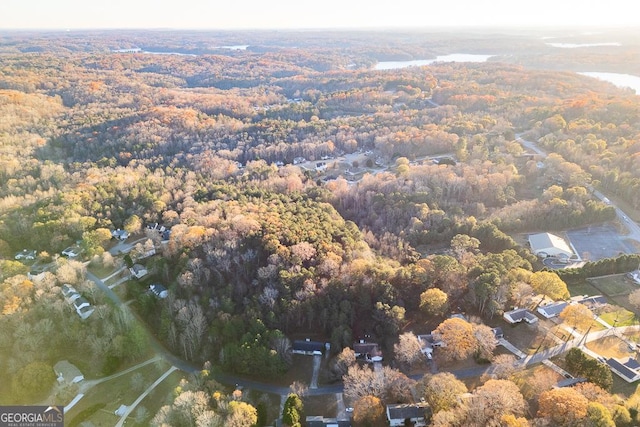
(598, 242)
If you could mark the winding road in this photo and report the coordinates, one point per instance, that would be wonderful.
(524, 360)
(632, 227)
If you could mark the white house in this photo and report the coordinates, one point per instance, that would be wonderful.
(553, 309)
(138, 271)
(518, 315)
(415, 412)
(549, 245)
(628, 371)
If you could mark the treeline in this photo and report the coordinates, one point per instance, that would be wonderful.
(94, 140)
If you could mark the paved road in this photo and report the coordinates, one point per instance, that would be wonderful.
(632, 227)
(229, 379)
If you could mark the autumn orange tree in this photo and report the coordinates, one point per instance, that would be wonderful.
(461, 339)
(369, 411)
(563, 406)
(577, 316)
(442, 391)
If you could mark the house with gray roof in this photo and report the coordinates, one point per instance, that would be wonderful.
(623, 371)
(307, 347)
(518, 315)
(553, 309)
(416, 413)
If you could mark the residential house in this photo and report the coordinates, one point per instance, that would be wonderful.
(120, 234)
(416, 413)
(85, 311)
(553, 309)
(81, 302)
(518, 315)
(459, 316)
(635, 276)
(158, 290)
(320, 421)
(138, 271)
(497, 332)
(628, 371)
(426, 343)
(72, 251)
(308, 347)
(368, 351)
(320, 166)
(569, 382)
(26, 254)
(592, 301)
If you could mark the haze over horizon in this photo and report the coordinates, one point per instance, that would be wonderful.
(332, 14)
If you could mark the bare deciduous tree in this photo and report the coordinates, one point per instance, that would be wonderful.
(408, 350)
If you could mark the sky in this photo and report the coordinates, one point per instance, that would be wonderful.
(301, 14)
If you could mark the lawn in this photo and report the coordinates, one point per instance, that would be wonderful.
(620, 317)
(614, 285)
(325, 405)
(611, 346)
(100, 402)
(528, 338)
(584, 288)
(160, 396)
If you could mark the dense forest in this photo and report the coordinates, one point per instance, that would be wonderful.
(98, 133)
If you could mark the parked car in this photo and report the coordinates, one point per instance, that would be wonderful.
(26, 254)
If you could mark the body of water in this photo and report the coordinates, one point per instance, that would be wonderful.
(236, 47)
(620, 80)
(454, 57)
(576, 45)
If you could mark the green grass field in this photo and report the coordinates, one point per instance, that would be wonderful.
(614, 285)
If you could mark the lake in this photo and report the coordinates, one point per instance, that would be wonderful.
(576, 45)
(620, 80)
(454, 57)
